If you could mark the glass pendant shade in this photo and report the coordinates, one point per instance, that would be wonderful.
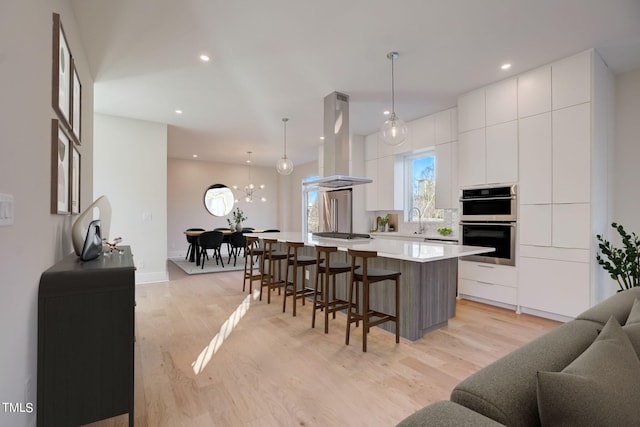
(284, 166)
(394, 131)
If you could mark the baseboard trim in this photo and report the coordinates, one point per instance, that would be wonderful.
(152, 277)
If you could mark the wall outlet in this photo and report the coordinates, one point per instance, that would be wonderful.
(306, 274)
(140, 264)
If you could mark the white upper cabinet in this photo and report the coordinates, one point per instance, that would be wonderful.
(534, 92)
(445, 126)
(502, 102)
(471, 110)
(447, 176)
(572, 154)
(371, 146)
(371, 190)
(502, 153)
(422, 133)
(535, 159)
(571, 80)
(471, 158)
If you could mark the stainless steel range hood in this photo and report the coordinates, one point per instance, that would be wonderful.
(336, 145)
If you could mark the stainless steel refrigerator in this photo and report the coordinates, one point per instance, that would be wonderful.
(336, 211)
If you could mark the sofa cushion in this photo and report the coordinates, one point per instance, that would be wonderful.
(617, 305)
(600, 388)
(505, 390)
(632, 327)
(447, 414)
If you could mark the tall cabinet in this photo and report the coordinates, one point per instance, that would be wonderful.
(565, 113)
(86, 340)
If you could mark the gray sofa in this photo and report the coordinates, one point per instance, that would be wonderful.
(505, 392)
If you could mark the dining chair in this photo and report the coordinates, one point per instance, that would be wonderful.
(237, 244)
(211, 240)
(191, 240)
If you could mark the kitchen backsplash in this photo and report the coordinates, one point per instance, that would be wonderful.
(451, 220)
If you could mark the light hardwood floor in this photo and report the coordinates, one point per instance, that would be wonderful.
(208, 354)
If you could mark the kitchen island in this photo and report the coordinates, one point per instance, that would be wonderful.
(427, 285)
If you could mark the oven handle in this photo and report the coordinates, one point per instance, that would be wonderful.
(464, 199)
(505, 224)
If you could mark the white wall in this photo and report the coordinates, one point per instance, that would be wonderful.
(130, 168)
(37, 239)
(187, 181)
(626, 206)
(290, 203)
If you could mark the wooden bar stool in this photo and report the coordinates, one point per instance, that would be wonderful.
(291, 287)
(325, 269)
(272, 258)
(251, 250)
(368, 276)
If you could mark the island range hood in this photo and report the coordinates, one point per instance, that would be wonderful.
(336, 145)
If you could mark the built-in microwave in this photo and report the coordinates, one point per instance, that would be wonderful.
(496, 203)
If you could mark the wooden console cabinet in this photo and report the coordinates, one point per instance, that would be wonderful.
(86, 340)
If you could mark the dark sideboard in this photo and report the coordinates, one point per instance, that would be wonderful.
(86, 340)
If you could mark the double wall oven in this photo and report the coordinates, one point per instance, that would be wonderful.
(488, 218)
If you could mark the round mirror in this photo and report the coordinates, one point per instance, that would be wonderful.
(218, 199)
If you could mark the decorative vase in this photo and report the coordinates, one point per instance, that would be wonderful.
(238, 226)
(232, 227)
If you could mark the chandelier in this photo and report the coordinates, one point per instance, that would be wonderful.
(250, 189)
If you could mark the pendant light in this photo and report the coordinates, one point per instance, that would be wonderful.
(394, 131)
(285, 165)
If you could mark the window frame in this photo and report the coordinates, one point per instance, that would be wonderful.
(407, 164)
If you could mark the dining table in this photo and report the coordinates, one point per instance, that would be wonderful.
(195, 253)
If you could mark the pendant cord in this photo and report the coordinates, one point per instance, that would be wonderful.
(393, 90)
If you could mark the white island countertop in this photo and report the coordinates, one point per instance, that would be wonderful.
(415, 251)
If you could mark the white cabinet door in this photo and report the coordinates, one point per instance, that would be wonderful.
(371, 190)
(559, 287)
(386, 183)
(572, 154)
(471, 110)
(422, 134)
(502, 102)
(535, 159)
(471, 158)
(571, 79)
(445, 170)
(572, 225)
(502, 153)
(371, 146)
(444, 126)
(535, 225)
(534, 92)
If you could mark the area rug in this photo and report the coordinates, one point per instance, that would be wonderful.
(210, 265)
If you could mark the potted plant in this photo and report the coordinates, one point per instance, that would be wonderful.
(622, 264)
(383, 222)
(238, 217)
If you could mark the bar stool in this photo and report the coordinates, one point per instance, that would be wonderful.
(272, 258)
(368, 276)
(328, 301)
(291, 287)
(251, 250)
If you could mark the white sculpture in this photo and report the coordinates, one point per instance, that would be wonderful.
(80, 227)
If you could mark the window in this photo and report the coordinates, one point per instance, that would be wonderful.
(420, 175)
(311, 217)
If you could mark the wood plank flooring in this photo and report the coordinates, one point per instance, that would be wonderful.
(208, 354)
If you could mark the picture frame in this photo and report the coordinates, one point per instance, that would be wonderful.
(61, 146)
(62, 78)
(76, 103)
(75, 167)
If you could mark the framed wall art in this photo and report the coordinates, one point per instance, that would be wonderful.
(76, 102)
(61, 145)
(61, 87)
(74, 169)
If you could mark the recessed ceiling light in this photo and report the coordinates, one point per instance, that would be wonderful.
(322, 138)
(195, 156)
(204, 58)
(505, 66)
(386, 112)
(178, 111)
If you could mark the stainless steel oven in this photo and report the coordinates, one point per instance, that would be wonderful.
(488, 204)
(488, 218)
(498, 235)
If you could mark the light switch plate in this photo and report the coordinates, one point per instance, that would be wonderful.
(6, 209)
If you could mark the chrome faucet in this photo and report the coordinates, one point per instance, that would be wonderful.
(420, 227)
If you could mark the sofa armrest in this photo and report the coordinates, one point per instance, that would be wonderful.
(447, 414)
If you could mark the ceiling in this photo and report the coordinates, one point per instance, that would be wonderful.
(280, 58)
